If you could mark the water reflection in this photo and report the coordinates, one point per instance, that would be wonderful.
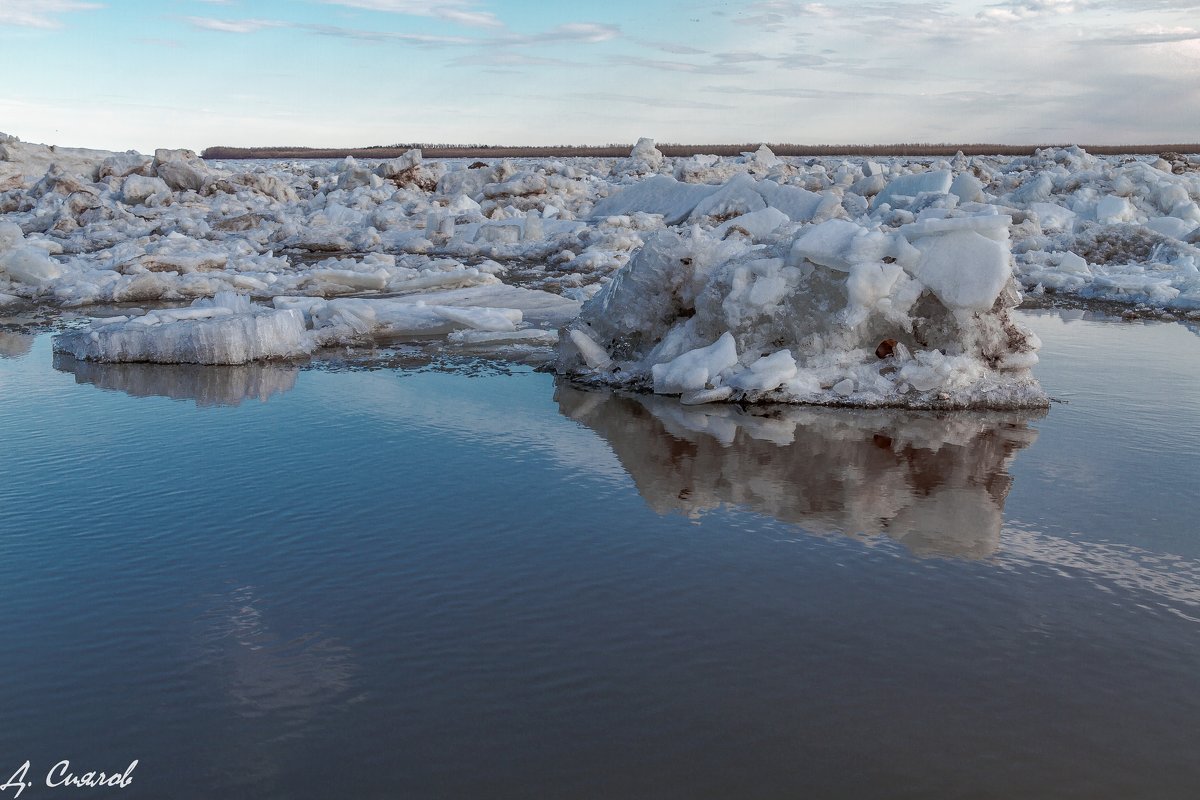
(935, 482)
(207, 385)
(15, 345)
(282, 687)
(266, 673)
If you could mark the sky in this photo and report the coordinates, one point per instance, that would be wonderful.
(136, 74)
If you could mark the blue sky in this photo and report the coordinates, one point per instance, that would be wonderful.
(122, 74)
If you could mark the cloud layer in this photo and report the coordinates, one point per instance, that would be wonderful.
(1021, 71)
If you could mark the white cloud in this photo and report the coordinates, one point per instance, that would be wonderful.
(657, 102)
(1020, 10)
(575, 32)
(430, 40)
(232, 25)
(798, 93)
(585, 32)
(40, 13)
(1145, 37)
(472, 19)
(415, 7)
(460, 12)
(679, 66)
(578, 32)
(788, 61)
(668, 47)
(498, 57)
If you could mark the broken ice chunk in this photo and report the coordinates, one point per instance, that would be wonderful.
(140, 190)
(844, 388)
(767, 373)
(22, 260)
(695, 369)
(757, 225)
(827, 244)
(968, 188)
(1112, 209)
(1073, 264)
(965, 270)
(702, 396)
(1171, 226)
(899, 189)
(866, 285)
(1053, 217)
(29, 265)
(484, 339)
(993, 226)
(481, 319)
(739, 196)
(593, 354)
(658, 194)
(662, 331)
(799, 204)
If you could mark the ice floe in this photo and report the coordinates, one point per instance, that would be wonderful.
(228, 329)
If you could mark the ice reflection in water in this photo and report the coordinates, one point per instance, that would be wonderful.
(15, 345)
(266, 673)
(207, 385)
(284, 687)
(934, 482)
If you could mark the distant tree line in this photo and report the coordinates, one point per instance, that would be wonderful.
(670, 149)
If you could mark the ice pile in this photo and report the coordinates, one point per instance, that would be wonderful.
(842, 314)
(1121, 229)
(810, 265)
(935, 482)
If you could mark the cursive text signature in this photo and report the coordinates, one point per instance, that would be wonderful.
(61, 776)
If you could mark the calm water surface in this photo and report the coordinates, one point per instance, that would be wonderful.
(277, 582)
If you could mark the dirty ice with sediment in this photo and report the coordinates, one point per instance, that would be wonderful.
(843, 281)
